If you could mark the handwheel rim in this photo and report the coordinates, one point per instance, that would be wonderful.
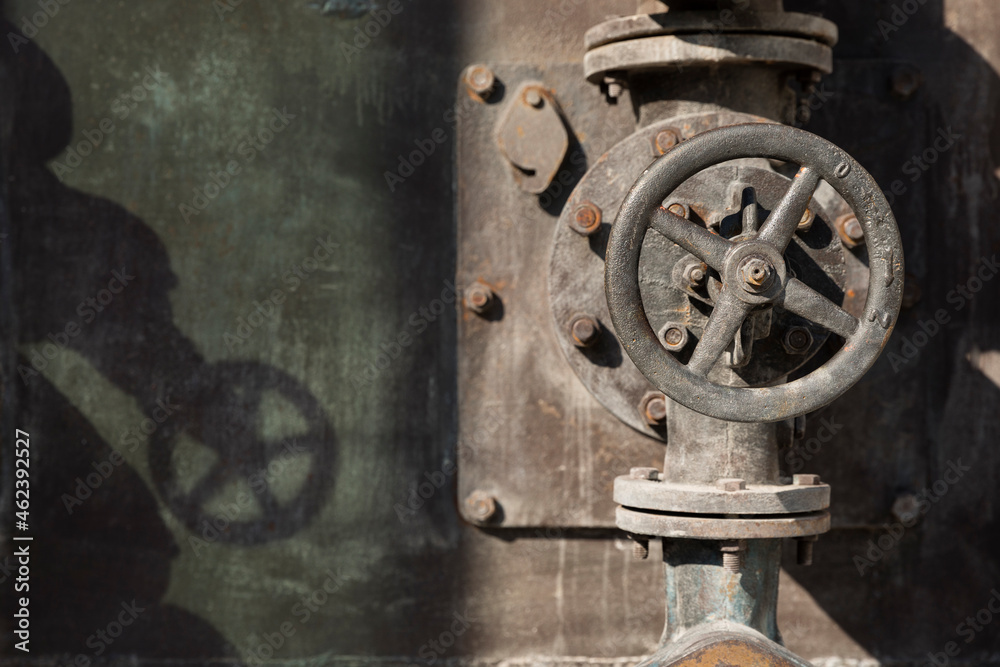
(861, 348)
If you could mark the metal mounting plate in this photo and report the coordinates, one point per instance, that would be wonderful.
(530, 434)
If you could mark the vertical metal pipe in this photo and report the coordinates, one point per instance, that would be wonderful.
(699, 589)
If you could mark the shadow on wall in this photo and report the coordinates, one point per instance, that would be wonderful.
(915, 104)
(93, 279)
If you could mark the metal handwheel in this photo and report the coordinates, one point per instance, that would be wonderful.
(753, 273)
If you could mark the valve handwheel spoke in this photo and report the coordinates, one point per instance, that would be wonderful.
(724, 323)
(703, 244)
(781, 224)
(753, 272)
(810, 304)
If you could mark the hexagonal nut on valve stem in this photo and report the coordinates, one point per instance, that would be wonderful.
(653, 408)
(481, 507)
(479, 298)
(584, 331)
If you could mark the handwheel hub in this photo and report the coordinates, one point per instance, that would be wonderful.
(758, 269)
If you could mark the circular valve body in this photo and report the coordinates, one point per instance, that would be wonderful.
(751, 274)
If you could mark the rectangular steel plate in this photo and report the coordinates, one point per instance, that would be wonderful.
(530, 434)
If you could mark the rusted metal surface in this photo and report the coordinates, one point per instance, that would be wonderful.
(550, 594)
(522, 405)
(576, 280)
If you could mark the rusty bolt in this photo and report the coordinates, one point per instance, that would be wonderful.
(674, 336)
(653, 408)
(806, 480)
(586, 219)
(797, 340)
(640, 548)
(906, 509)
(644, 473)
(694, 274)
(481, 506)
(730, 485)
(534, 98)
(681, 210)
(479, 298)
(850, 230)
(480, 80)
(804, 549)
(584, 330)
(732, 555)
(806, 222)
(665, 140)
(756, 274)
(905, 81)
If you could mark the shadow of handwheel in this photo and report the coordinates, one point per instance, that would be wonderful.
(226, 417)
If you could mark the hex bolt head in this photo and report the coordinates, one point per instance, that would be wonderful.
(804, 549)
(644, 473)
(480, 80)
(481, 506)
(653, 408)
(584, 331)
(674, 336)
(850, 230)
(665, 140)
(586, 219)
(693, 275)
(479, 298)
(533, 97)
(797, 340)
(756, 274)
(640, 548)
(806, 480)
(731, 485)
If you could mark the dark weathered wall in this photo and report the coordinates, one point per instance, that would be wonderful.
(185, 331)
